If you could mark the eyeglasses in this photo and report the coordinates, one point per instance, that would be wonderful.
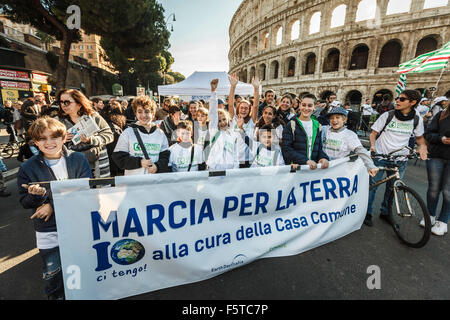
(65, 103)
(401, 99)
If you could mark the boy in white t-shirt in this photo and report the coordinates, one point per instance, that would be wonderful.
(265, 152)
(153, 156)
(339, 142)
(395, 135)
(184, 155)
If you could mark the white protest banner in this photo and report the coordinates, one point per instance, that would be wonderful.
(157, 231)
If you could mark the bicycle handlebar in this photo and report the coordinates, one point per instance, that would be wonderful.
(412, 154)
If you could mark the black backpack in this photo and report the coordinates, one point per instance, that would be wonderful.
(8, 116)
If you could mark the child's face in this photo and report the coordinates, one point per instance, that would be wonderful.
(201, 118)
(144, 116)
(244, 109)
(266, 138)
(306, 107)
(184, 135)
(223, 122)
(268, 115)
(50, 145)
(337, 121)
(193, 109)
(285, 104)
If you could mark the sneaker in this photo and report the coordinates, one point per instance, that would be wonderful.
(433, 221)
(368, 220)
(439, 228)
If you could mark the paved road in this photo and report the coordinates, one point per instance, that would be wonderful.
(336, 270)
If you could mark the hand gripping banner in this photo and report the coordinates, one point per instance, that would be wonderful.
(152, 232)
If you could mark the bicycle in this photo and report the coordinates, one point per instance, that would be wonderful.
(407, 212)
(7, 150)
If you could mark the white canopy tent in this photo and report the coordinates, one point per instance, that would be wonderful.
(198, 84)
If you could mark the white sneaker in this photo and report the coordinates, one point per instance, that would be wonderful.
(433, 221)
(439, 228)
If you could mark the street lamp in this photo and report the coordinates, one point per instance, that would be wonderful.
(173, 20)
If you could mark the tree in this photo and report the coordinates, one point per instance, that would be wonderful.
(46, 39)
(137, 28)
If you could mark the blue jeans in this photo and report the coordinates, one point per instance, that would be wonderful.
(2, 165)
(389, 185)
(52, 273)
(438, 181)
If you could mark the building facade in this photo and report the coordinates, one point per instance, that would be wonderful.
(349, 47)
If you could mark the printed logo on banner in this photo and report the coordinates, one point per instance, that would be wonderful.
(238, 260)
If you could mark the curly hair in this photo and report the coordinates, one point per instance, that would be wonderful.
(145, 102)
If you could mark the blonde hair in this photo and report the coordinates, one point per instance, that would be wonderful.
(226, 114)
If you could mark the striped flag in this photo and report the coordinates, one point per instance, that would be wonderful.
(430, 61)
(401, 84)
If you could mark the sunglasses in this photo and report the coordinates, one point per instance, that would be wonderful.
(401, 99)
(65, 103)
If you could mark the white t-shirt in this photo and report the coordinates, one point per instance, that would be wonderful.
(59, 167)
(367, 109)
(201, 137)
(224, 153)
(180, 157)
(396, 135)
(49, 240)
(338, 145)
(249, 129)
(262, 157)
(154, 143)
(308, 126)
(422, 110)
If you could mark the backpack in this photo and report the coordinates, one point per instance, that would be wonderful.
(8, 116)
(391, 116)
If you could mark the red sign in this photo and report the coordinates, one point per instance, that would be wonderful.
(14, 85)
(12, 74)
(39, 78)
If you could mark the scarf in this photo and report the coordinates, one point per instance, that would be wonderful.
(402, 117)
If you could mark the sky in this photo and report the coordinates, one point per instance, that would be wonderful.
(200, 40)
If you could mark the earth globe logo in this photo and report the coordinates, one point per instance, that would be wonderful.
(127, 251)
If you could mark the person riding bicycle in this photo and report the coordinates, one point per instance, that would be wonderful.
(391, 132)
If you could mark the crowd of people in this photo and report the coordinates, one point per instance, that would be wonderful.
(140, 137)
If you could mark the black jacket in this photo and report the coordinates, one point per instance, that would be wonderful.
(295, 147)
(437, 129)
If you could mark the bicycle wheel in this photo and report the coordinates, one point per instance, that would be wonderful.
(7, 151)
(406, 218)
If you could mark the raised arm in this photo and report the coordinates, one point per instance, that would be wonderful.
(255, 83)
(233, 82)
(213, 116)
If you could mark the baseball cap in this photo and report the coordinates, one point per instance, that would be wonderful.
(337, 110)
(220, 101)
(440, 99)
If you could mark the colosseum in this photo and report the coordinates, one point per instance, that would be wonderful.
(350, 47)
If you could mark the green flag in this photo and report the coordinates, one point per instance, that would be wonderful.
(430, 61)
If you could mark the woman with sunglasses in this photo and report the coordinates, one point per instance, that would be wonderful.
(73, 106)
(395, 128)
